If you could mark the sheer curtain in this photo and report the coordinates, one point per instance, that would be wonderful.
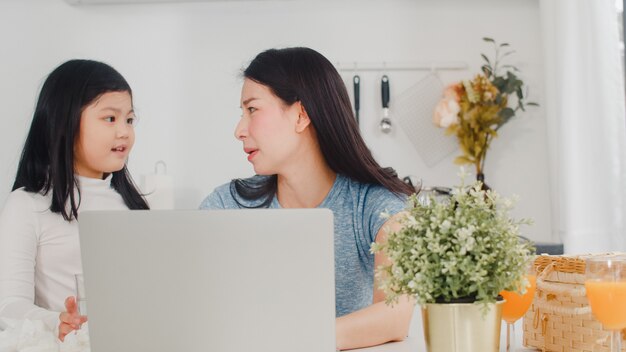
(586, 124)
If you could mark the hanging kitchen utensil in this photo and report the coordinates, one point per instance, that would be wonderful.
(385, 122)
(413, 109)
(356, 80)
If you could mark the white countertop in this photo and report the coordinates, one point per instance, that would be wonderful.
(414, 343)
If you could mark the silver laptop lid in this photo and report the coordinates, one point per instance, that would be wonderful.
(225, 280)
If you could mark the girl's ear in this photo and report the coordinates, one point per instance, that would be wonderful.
(303, 119)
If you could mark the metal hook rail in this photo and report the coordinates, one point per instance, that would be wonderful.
(400, 66)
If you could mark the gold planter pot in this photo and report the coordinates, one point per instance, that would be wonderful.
(456, 327)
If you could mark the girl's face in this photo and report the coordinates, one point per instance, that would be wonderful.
(106, 135)
(269, 129)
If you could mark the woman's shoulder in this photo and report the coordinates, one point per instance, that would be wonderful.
(374, 198)
(223, 190)
(216, 199)
(371, 191)
(226, 195)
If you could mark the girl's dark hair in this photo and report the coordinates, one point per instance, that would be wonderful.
(47, 161)
(304, 75)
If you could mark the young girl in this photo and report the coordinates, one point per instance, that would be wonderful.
(74, 159)
(299, 133)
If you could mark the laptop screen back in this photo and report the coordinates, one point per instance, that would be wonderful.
(224, 280)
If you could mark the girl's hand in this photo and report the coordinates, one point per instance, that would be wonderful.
(70, 319)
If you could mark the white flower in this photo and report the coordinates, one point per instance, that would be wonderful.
(468, 245)
(397, 271)
(411, 221)
(445, 226)
(447, 110)
(446, 113)
(450, 266)
(435, 247)
(463, 233)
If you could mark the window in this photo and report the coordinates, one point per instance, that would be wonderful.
(619, 6)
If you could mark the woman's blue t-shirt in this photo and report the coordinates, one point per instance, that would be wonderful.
(357, 209)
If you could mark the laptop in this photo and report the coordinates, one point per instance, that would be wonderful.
(221, 280)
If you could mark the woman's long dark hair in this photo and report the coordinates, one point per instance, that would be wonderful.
(304, 75)
(47, 161)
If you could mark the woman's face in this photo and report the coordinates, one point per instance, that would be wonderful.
(268, 129)
(106, 135)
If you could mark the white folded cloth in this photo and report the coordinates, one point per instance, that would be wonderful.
(24, 335)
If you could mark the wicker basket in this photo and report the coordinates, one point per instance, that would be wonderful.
(559, 318)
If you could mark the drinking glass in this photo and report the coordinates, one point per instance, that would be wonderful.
(517, 304)
(81, 296)
(605, 283)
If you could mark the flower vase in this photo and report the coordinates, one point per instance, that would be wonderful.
(462, 327)
(481, 177)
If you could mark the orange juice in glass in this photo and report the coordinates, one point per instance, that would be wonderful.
(605, 283)
(608, 302)
(516, 305)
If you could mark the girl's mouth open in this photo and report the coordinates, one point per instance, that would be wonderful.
(123, 150)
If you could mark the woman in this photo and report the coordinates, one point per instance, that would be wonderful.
(299, 133)
(74, 159)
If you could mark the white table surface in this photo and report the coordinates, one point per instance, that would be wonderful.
(415, 341)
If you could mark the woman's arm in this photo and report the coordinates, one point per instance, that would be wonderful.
(378, 323)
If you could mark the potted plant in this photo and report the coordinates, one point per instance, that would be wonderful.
(454, 257)
(474, 110)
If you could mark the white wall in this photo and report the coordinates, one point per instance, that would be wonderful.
(183, 61)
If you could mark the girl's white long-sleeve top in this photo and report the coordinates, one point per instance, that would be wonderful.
(40, 251)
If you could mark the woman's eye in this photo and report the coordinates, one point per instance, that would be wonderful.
(109, 119)
(130, 120)
(251, 109)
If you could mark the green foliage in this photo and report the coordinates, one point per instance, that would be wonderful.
(506, 83)
(468, 247)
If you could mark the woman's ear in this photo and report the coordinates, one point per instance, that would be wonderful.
(303, 119)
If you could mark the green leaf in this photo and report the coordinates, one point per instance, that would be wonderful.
(504, 44)
(500, 83)
(520, 94)
(511, 67)
(487, 39)
(508, 53)
(532, 104)
(486, 70)
(511, 83)
(486, 58)
(506, 114)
